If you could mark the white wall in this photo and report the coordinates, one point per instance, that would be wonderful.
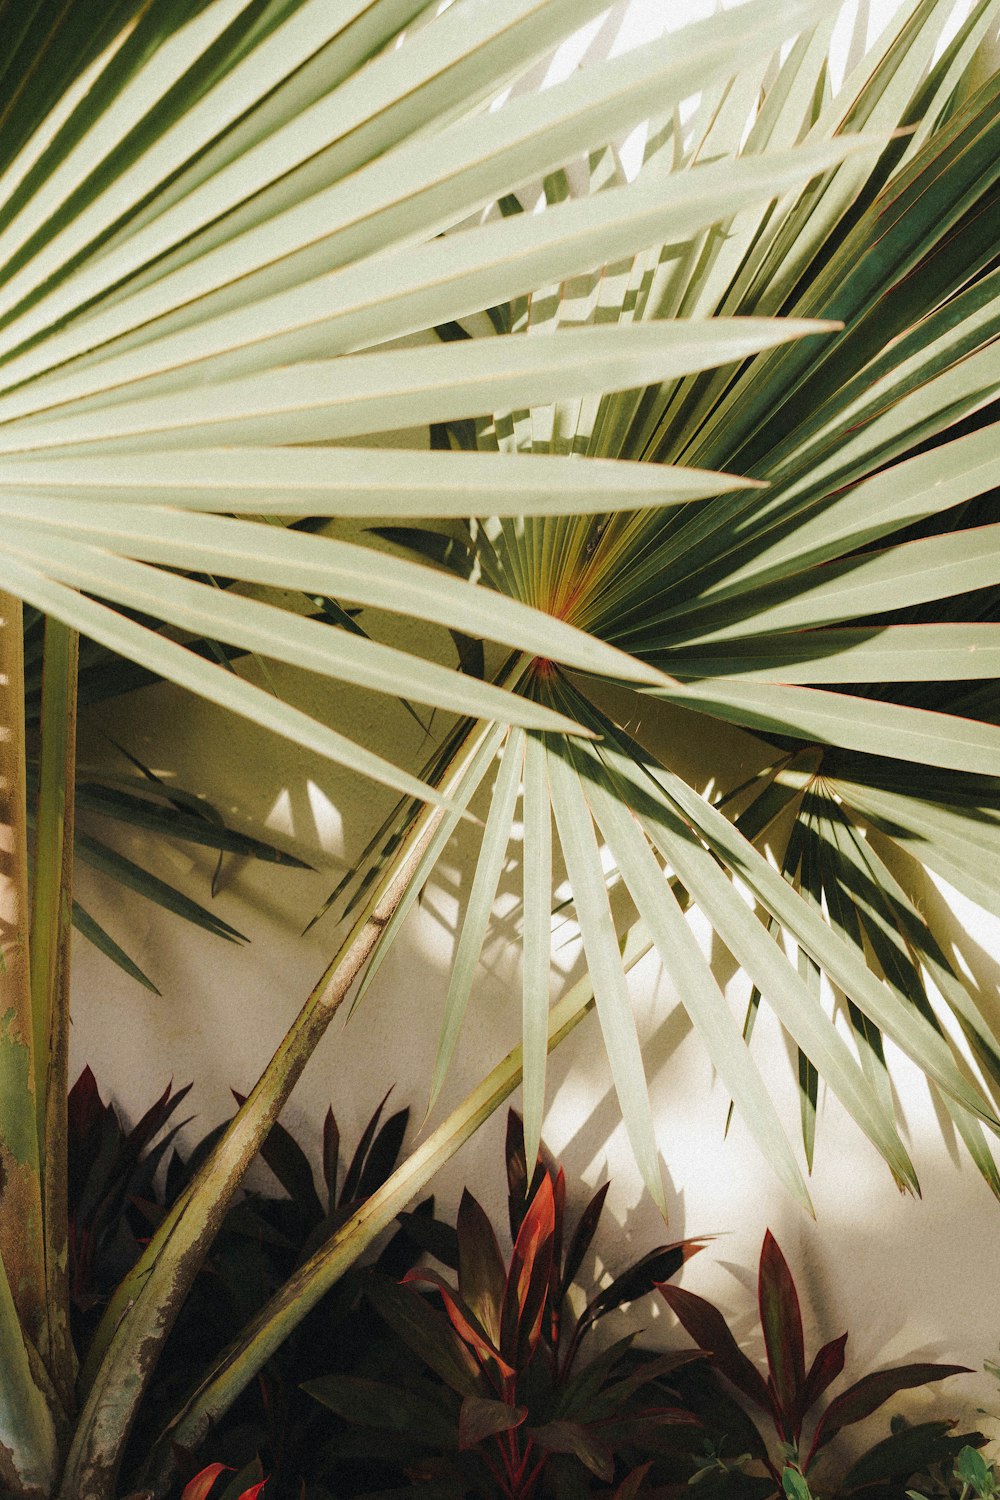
(909, 1278)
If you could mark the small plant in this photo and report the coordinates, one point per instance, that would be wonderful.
(790, 1394)
(201, 1486)
(968, 1477)
(514, 1412)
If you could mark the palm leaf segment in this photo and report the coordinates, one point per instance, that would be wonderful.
(848, 612)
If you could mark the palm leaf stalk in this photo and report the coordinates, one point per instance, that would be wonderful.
(215, 214)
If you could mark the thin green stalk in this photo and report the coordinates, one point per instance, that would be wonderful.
(143, 1308)
(286, 1309)
(21, 1239)
(51, 932)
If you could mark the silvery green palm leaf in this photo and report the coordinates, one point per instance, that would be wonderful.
(845, 612)
(205, 246)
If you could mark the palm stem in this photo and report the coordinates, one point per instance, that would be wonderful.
(51, 932)
(21, 1242)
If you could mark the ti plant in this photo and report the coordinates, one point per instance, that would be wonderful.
(204, 1484)
(514, 1412)
(719, 438)
(789, 1395)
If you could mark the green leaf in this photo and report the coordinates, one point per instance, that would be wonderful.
(322, 400)
(92, 930)
(496, 836)
(390, 1408)
(537, 939)
(600, 941)
(911, 734)
(700, 994)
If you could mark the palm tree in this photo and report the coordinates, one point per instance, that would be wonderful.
(753, 483)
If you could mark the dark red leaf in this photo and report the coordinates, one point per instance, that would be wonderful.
(481, 1418)
(156, 1116)
(529, 1277)
(482, 1277)
(573, 1437)
(289, 1163)
(868, 1394)
(86, 1107)
(632, 1483)
(710, 1332)
(781, 1321)
(331, 1155)
(352, 1177)
(463, 1319)
(517, 1172)
(644, 1277)
(202, 1482)
(383, 1154)
(426, 1334)
(582, 1239)
(521, 1191)
(822, 1373)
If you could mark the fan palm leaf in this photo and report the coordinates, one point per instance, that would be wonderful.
(241, 242)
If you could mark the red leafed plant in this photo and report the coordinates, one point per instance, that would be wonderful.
(513, 1410)
(790, 1392)
(203, 1482)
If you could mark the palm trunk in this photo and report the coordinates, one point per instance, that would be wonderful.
(27, 1439)
(51, 935)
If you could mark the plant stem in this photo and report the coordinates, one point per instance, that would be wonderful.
(51, 934)
(21, 1236)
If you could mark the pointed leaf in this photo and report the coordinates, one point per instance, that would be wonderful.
(781, 1322)
(482, 1276)
(482, 1418)
(868, 1394)
(710, 1332)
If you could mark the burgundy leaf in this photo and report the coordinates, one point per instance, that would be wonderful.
(517, 1172)
(521, 1191)
(644, 1277)
(352, 1177)
(463, 1319)
(573, 1437)
(383, 1153)
(868, 1394)
(710, 1332)
(529, 1277)
(289, 1163)
(427, 1334)
(202, 1483)
(156, 1117)
(85, 1105)
(482, 1277)
(822, 1373)
(481, 1418)
(331, 1154)
(632, 1483)
(781, 1321)
(582, 1239)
